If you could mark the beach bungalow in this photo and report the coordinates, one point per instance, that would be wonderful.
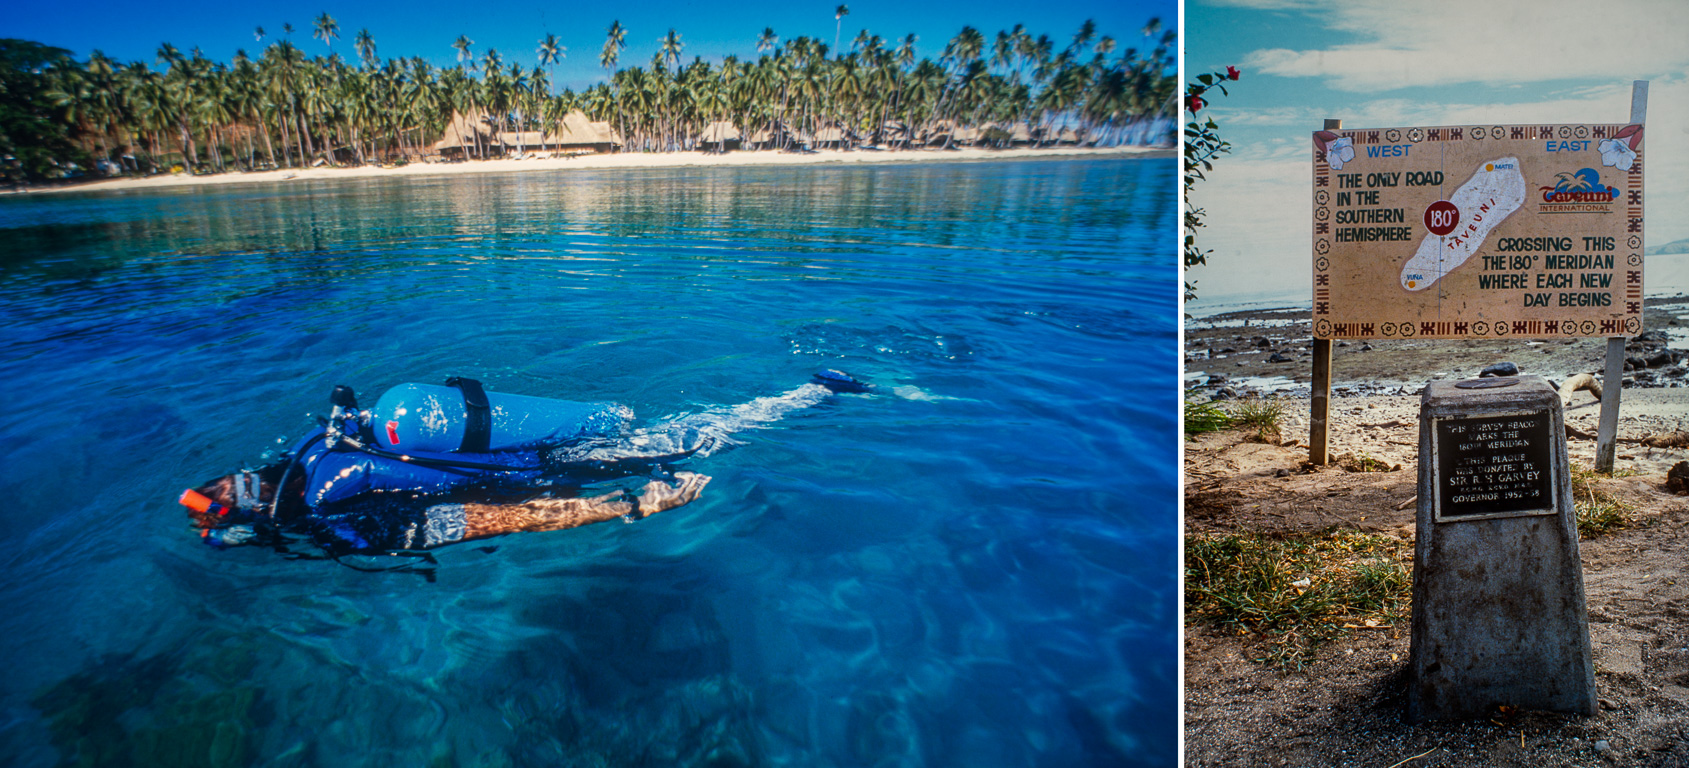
(949, 133)
(720, 136)
(474, 135)
(517, 142)
(607, 133)
(577, 134)
(466, 135)
(1071, 136)
(834, 137)
(891, 133)
(780, 136)
(1021, 135)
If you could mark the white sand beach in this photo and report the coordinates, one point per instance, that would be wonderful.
(600, 161)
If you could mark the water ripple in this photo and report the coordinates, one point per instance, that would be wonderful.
(974, 565)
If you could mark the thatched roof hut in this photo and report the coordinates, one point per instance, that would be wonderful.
(462, 132)
(720, 131)
(833, 135)
(779, 135)
(576, 133)
(607, 132)
(523, 139)
(949, 131)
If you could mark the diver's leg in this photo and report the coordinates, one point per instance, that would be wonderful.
(701, 434)
(549, 514)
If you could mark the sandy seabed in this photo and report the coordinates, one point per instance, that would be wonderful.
(621, 160)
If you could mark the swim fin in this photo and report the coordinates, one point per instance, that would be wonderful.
(839, 382)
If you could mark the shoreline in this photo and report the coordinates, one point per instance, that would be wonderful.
(1269, 351)
(633, 160)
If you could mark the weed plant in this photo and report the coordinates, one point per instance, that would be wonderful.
(1204, 417)
(1298, 592)
(1599, 513)
(1263, 416)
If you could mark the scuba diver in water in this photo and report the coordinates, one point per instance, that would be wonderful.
(430, 466)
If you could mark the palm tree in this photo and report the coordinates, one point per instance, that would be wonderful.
(670, 47)
(177, 95)
(550, 52)
(1087, 31)
(328, 30)
(838, 23)
(615, 41)
(258, 34)
(381, 108)
(287, 29)
(282, 67)
(365, 43)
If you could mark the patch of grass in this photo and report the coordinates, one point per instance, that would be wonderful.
(1601, 518)
(1360, 462)
(1263, 416)
(1204, 417)
(1297, 592)
(1599, 513)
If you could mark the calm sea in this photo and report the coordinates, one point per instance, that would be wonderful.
(973, 566)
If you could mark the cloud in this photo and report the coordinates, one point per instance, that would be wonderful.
(1272, 5)
(1442, 42)
(1257, 222)
(1592, 104)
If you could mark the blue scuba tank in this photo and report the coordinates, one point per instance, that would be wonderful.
(463, 418)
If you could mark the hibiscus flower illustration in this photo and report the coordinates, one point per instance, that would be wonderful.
(1339, 152)
(1614, 153)
(1620, 151)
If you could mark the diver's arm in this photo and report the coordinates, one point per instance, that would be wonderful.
(483, 520)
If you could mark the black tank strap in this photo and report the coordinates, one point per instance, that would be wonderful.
(479, 431)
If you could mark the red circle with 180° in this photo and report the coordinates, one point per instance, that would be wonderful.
(1442, 217)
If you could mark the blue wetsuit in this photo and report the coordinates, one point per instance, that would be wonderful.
(356, 501)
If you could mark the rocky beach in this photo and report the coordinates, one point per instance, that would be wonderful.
(1269, 351)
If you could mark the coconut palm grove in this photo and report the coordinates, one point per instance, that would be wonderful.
(287, 108)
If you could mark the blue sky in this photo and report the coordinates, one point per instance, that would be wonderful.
(1437, 62)
(128, 32)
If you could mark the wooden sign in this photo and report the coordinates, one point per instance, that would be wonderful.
(1478, 232)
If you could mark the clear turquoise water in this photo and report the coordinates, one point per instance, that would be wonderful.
(975, 566)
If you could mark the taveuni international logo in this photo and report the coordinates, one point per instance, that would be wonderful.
(1578, 191)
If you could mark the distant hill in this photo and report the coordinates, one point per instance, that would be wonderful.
(1678, 246)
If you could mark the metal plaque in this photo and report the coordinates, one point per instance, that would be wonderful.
(1494, 466)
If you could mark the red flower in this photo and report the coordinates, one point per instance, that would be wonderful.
(1233, 72)
(1195, 103)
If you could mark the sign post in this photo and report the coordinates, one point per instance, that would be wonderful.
(1319, 399)
(1606, 436)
